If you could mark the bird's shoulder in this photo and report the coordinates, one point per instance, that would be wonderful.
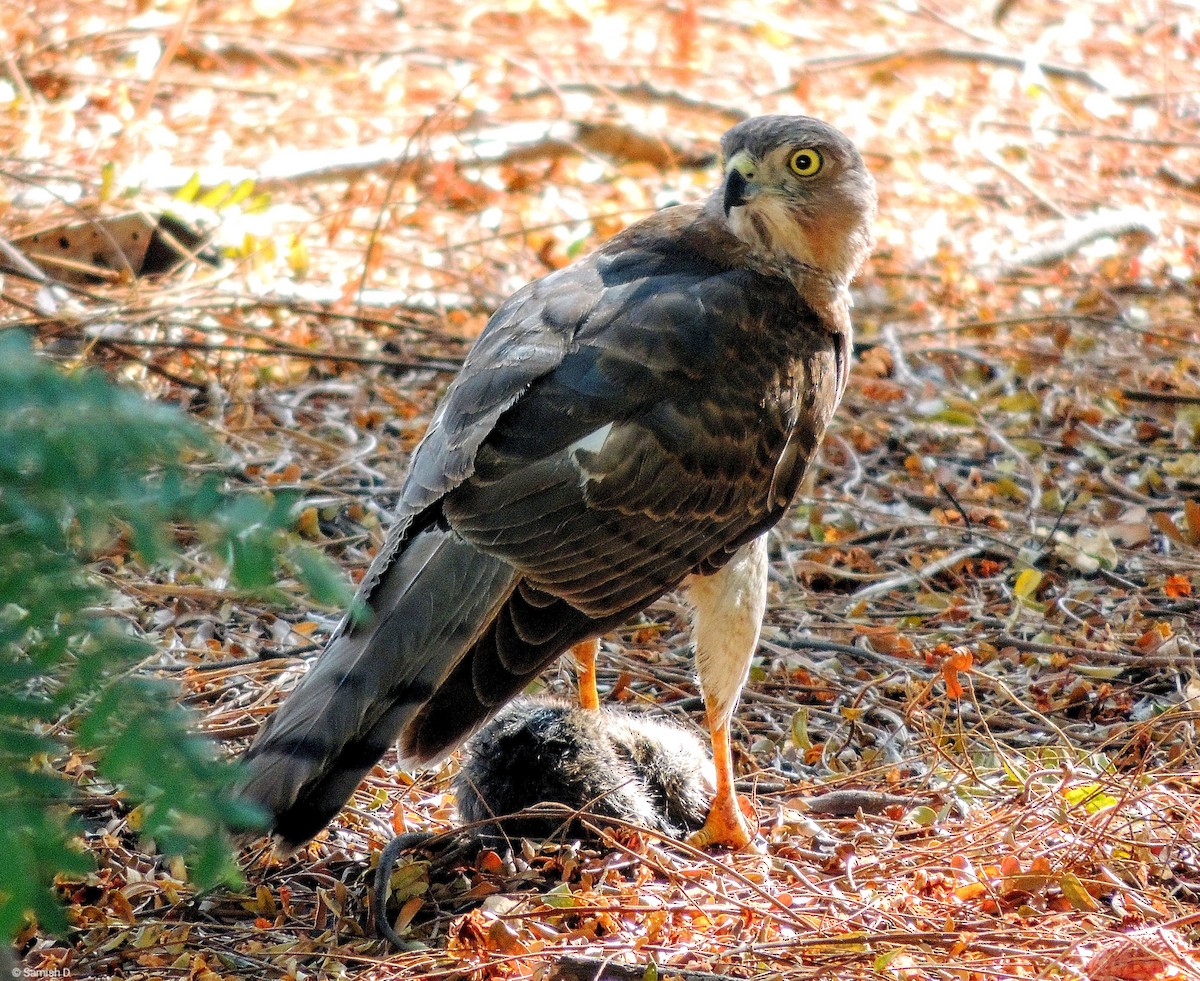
(675, 295)
(667, 296)
(657, 395)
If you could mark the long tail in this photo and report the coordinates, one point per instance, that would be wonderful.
(453, 635)
(435, 601)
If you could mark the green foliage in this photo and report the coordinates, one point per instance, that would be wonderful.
(83, 462)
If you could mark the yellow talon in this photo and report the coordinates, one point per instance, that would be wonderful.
(725, 825)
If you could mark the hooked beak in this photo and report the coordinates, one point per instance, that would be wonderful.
(739, 180)
(735, 191)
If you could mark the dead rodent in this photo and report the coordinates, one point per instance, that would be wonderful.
(610, 762)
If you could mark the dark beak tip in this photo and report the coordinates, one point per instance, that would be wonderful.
(735, 191)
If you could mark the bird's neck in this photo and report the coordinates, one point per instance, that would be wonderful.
(777, 244)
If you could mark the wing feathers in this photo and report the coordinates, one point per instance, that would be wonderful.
(620, 424)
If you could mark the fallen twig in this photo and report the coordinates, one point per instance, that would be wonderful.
(574, 967)
(907, 579)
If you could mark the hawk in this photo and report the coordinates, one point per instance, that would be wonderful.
(629, 424)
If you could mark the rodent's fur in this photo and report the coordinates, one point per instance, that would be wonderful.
(611, 762)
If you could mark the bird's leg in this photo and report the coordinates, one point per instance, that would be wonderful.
(725, 824)
(729, 607)
(585, 655)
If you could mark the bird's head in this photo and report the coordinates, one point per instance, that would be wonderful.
(797, 193)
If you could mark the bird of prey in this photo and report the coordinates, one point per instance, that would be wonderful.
(634, 422)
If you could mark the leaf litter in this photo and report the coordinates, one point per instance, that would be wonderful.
(982, 615)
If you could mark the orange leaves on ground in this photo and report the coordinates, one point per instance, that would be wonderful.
(1191, 517)
(1013, 879)
(1033, 887)
(817, 690)
(984, 568)
(201, 969)
(550, 250)
(1177, 586)
(288, 474)
(1150, 954)
(400, 405)
(976, 514)
(863, 440)
(960, 661)
(685, 27)
(883, 391)
(489, 862)
(1066, 429)
(971, 890)
(373, 257)
(371, 418)
(449, 189)
(648, 634)
(887, 640)
(505, 939)
(954, 661)
(877, 362)
(121, 906)
(1169, 529)
(469, 933)
(1152, 639)
(467, 324)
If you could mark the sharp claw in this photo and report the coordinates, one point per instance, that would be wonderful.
(725, 827)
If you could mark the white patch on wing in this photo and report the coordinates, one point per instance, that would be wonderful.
(592, 443)
(728, 611)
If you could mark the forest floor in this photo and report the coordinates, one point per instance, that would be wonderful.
(985, 606)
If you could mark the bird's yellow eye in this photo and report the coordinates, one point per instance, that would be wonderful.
(806, 162)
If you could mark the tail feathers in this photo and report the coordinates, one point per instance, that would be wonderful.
(302, 793)
(429, 608)
(525, 635)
